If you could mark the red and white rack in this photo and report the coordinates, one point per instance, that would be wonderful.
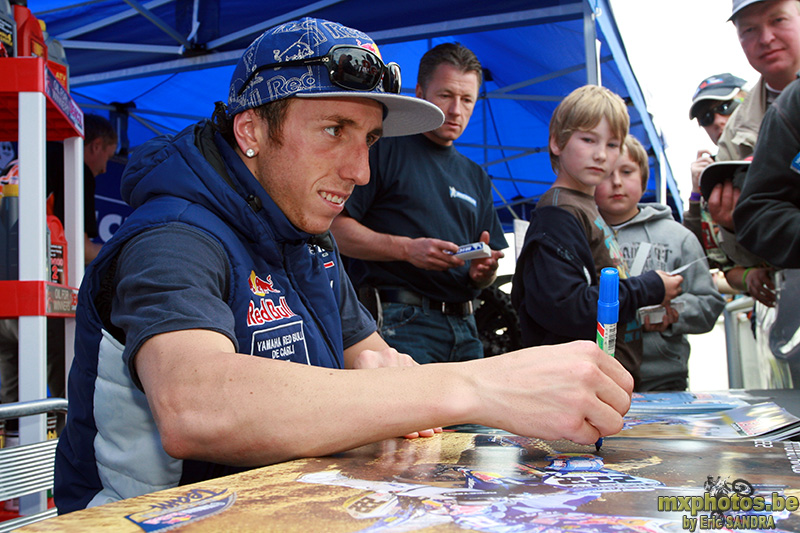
(35, 108)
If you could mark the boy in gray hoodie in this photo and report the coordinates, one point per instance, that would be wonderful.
(665, 245)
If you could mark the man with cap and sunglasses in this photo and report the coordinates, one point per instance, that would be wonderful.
(216, 331)
(714, 101)
(712, 104)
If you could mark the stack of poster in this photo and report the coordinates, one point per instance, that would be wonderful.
(685, 402)
(763, 420)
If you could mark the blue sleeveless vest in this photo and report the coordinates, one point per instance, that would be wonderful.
(283, 293)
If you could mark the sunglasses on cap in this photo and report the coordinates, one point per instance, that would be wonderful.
(725, 108)
(349, 67)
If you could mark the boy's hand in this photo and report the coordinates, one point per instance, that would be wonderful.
(672, 285)
(670, 317)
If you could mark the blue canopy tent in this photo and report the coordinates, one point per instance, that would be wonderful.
(157, 66)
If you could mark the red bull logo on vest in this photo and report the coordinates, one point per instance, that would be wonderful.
(260, 287)
(268, 311)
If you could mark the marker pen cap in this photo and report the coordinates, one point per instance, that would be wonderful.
(608, 303)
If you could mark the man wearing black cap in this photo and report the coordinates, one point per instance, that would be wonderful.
(712, 105)
(715, 99)
(216, 331)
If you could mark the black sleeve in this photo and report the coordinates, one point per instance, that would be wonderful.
(767, 216)
(171, 278)
(558, 276)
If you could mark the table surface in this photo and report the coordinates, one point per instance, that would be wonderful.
(460, 481)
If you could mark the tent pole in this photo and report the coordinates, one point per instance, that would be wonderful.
(590, 45)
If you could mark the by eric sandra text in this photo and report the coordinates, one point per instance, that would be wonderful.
(705, 522)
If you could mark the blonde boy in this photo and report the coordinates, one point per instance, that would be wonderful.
(666, 348)
(555, 285)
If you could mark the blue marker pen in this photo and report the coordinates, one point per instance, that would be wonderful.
(607, 316)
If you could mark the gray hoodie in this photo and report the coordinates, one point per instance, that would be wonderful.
(666, 355)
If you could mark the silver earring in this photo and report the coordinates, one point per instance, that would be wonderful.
(250, 152)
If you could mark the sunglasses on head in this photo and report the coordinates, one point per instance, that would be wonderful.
(725, 108)
(349, 67)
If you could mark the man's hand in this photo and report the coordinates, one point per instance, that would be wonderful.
(569, 391)
(387, 358)
(698, 165)
(670, 317)
(431, 254)
(759, 285)
(482, 271)
(672, 285)
(721, 203)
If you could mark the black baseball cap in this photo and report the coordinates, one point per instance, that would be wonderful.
(722, 171)
(718, 88)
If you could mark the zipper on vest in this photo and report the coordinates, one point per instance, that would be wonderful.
(309, 308)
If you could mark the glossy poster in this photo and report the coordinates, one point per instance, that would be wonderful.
(503, 483)
(488, 483)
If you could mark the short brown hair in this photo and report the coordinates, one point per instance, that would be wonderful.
(638, 155)
(454, 54)
(582, 110)
(274, 113)
(95, 126)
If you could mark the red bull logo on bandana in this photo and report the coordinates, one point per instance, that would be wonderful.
(261, 287)
(372, 47)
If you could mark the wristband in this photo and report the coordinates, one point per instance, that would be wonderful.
(744, 277)
(695, 197)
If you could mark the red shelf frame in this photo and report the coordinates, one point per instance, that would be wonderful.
(37, 298)
(35, 107)
(30, 74)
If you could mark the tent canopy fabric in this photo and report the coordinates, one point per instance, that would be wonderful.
(157, 66)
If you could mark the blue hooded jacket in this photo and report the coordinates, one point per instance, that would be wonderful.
(283, 293)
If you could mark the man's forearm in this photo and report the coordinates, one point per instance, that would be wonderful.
(360, 242)
(215, 405)
(242, 410)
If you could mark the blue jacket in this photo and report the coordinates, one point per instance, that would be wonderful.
(283, 294)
